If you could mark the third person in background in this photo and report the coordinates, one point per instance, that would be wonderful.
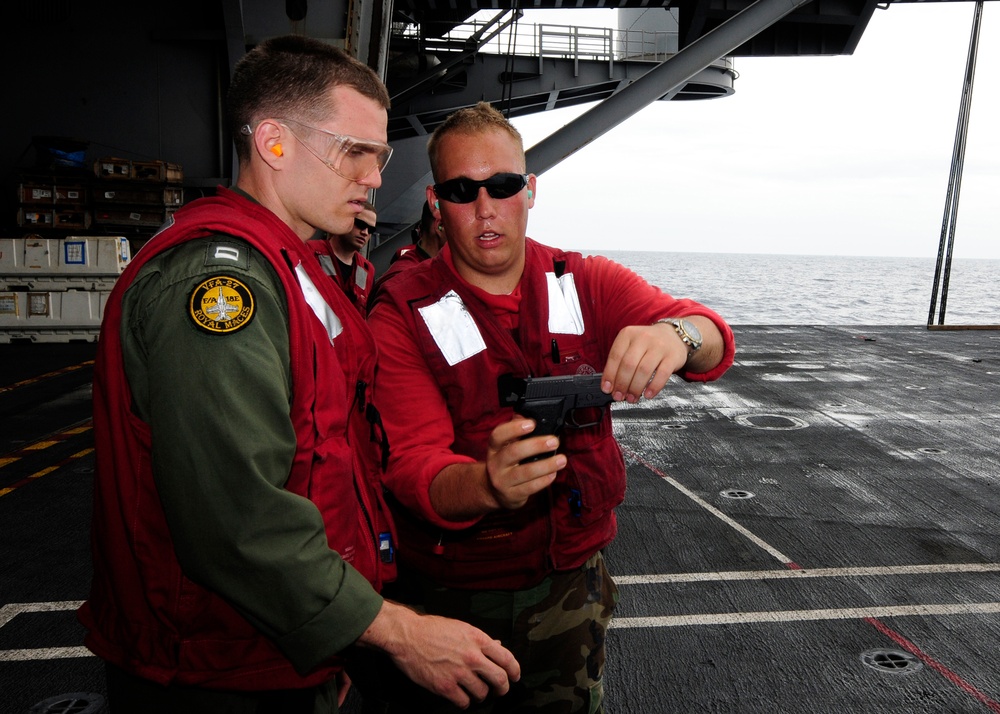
(428, 239)
(342, 259)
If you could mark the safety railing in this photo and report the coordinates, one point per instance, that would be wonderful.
(563, 42)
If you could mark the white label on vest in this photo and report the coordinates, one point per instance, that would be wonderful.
(326, 262)
(360, 277)
(565, 315)
(453, 329)
(319, 306)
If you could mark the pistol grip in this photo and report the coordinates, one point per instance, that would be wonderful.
(549, 418)
(547, 413)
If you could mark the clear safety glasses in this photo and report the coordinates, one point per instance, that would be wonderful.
(465, 190)
(347, 156)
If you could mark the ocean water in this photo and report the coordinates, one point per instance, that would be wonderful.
(756, 289)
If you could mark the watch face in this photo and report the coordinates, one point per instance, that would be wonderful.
(688, 332)
(692, 331)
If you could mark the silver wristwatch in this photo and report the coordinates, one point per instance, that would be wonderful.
(685, 329)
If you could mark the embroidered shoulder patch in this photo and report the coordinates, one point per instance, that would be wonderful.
(221, 305)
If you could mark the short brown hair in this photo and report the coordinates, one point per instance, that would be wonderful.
(477, 119)
(290, 76)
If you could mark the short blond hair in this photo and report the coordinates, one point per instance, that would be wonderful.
(477, 119)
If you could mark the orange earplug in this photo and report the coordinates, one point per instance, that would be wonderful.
(276, 150)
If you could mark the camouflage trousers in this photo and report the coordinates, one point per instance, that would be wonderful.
(556, 630)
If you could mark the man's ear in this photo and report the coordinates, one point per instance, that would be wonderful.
(267, 141)
(432, 201)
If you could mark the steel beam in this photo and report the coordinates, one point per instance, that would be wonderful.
(667, 77)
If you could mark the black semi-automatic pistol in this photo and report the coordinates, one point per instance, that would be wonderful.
(553, 402)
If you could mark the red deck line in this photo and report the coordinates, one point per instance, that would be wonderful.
(931, 662)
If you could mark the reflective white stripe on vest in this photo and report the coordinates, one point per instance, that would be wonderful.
(565, 315)
(453, 329)
(360, 277)
(319, 306)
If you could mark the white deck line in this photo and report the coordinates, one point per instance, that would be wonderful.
(781, 557)
(852, 613)
(7, 613)
(12, 610)
(44, 654)
(735, 618)
(857, 572)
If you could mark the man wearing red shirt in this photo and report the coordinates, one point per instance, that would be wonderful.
(504, 528)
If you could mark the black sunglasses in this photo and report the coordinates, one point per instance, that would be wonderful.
(465, 190)
(362, 226)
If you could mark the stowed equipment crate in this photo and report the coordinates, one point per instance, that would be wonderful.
(55, 289)
(136, 194)
(157, 171)
(132, 217)
(81, 262)
(51, 201)
(146, 171)
(51, 315)
(47, 194)
(112, 168)
(51, 190)
(113, 195)
(35, 218)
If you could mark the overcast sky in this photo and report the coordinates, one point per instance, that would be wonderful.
(845, 155)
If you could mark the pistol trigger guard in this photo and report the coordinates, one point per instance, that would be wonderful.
(572, 423)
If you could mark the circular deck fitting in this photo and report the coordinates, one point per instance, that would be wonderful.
(771, 422)
(915, 386)
(836, 406)
(673, 426)
(891, 661)
(736, 493)
(72, 703)
(805, 365)
(932, 450)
